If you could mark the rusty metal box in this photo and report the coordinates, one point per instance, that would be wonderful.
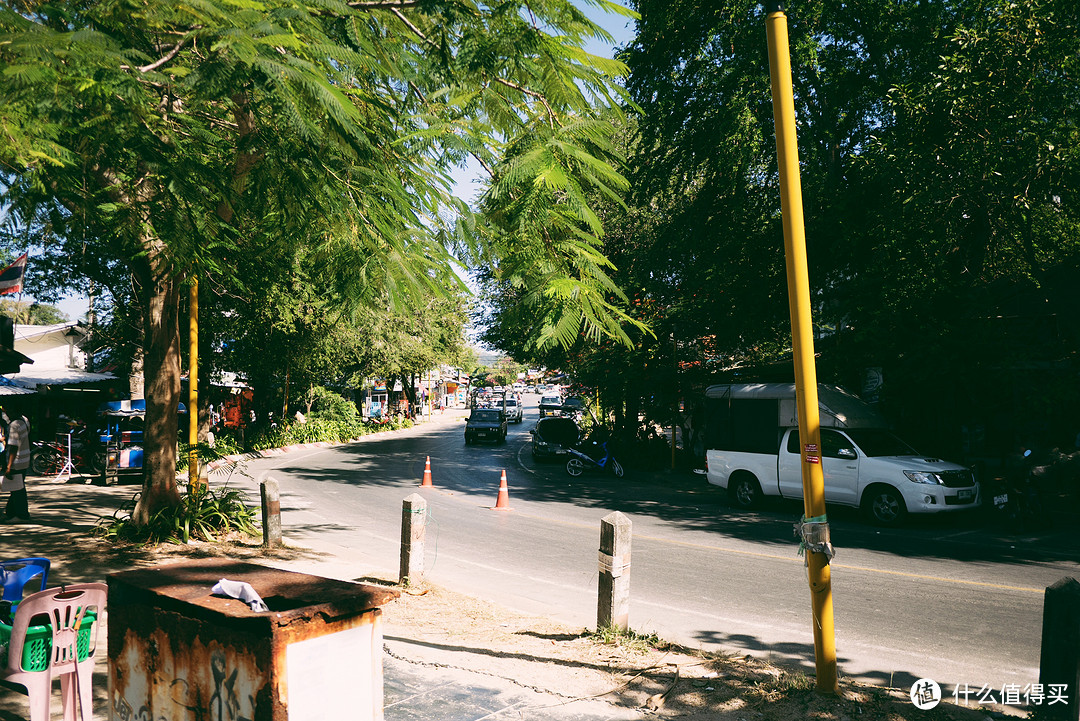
(178, 652)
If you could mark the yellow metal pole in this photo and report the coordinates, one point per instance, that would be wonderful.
(193, 385)
(675, 402)
(802, 338)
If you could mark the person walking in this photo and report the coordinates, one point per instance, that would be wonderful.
(17, 451)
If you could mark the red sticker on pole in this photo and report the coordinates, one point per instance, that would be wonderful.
(810, 449)
(813, 459)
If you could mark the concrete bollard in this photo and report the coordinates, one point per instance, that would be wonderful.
(1059, 661)
(413, 530)
(613, 597)
(271, 512)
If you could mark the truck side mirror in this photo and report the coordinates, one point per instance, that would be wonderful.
(847, 453)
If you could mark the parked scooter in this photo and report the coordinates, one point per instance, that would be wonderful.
(593, 454)
(1017, 496)
(1005, 506)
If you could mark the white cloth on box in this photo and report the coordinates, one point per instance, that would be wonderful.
(241, 590)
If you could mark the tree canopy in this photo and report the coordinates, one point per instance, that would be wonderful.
(163, 140)
(938, 152)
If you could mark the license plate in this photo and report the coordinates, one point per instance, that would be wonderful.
(965, 495)
(481, 434)
(1001, 500)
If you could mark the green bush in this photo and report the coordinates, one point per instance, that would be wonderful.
(203, 514)
(287, 433)
(316, 430)
(224, 445)
(326, 405)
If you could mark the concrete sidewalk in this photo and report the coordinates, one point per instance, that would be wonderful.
(422, 680)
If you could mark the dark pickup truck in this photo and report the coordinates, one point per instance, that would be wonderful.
(485, 424)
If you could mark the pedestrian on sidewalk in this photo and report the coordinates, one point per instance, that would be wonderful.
(17, 452)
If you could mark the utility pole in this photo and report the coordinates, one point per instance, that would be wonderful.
(814, 522)
(193, 385)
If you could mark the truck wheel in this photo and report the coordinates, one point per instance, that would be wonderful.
(884, 505)
(744, 491)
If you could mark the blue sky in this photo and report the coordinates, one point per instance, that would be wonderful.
(621, 30)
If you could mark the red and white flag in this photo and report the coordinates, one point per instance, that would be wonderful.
(11, 277)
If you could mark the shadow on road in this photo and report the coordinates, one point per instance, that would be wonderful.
(684, 500)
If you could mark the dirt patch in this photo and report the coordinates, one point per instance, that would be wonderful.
(662, 680)
(437, 627)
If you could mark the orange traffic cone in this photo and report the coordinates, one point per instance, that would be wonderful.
(426, 483)
(502, 503)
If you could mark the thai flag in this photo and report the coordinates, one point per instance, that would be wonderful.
(11, 277)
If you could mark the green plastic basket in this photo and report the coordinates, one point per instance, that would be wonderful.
(38, 643)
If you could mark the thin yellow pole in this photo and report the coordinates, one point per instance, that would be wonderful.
(802, 338)
(193, 385)
(675, 401)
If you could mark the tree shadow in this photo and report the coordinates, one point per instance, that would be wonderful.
(680, 499)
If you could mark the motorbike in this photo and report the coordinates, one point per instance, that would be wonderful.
(49, 458)
(1016, 497)
(1005, 507)
(593, 454)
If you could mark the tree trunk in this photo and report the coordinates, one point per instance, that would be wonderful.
(205, 422)
(632, 420)
(136, 379)
(160, 297)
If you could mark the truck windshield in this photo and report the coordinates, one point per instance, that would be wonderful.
(877, 442)
(485, 415)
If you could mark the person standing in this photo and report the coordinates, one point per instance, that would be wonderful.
(18, 461)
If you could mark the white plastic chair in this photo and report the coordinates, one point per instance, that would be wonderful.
(65, 609)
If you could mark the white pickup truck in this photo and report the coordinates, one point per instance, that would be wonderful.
(864, 467)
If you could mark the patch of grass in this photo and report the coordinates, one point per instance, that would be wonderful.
(794, 681)
(203, 515)
(626, 638)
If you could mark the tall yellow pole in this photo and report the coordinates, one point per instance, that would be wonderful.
(802, 338)
(193, 385)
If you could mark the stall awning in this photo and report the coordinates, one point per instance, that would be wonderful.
(8, 388)
(57, 377)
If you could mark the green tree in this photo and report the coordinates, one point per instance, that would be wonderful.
(180, 137)
(937, 149)
(32, 313)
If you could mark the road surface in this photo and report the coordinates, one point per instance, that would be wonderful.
(946, 599)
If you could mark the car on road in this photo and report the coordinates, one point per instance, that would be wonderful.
(550, 405)
(514, 411)
(485, 424)
(573, 404)
(553, 436)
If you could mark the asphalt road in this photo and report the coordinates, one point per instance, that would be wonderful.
(948, 599)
